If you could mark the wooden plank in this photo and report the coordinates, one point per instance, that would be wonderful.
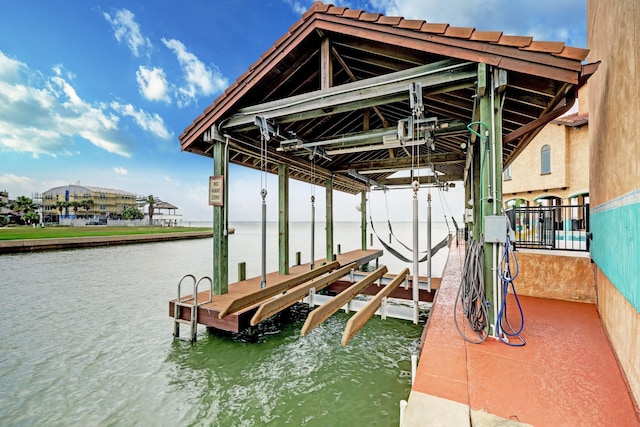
(359, 319)
(248, 300)
(294, 295)
(323, 312)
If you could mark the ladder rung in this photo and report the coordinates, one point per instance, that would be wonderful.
(183, 304)
(184, 322)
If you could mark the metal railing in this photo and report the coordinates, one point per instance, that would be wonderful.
(551, 227)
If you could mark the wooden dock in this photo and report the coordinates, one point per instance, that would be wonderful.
(223, 311)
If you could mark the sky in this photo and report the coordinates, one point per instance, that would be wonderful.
(97, 92)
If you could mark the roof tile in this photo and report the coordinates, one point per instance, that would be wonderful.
(459, 32)
(515, 41)
(546, 47)
(411, 24)
(389, 20)
(434, 28)
(317, 6)
(486, 36)
(573, 53)
(370, 17)
(334, 10)
(353, 13)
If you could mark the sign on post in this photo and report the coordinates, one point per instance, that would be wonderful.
(216, 190)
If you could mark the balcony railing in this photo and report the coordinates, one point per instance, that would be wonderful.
(551, 227)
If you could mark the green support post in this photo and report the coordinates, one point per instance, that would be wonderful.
(491, 168)
(329, 217)
(363, 219)
(283, 218)
(220, 236)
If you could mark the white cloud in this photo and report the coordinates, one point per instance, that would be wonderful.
(126, 30)
(200, 80)
(152, 83)
(299, 7)
(46, 115)
(151, 123)
(120, 170)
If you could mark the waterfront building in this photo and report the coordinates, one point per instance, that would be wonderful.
(553, 170)
(104, 202)
(164, 213)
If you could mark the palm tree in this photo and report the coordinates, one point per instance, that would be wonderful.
(75, 205)
(60, 206)
(152, 201)
(87, 204)
(24, 204)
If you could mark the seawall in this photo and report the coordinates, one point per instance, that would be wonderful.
(30, 245)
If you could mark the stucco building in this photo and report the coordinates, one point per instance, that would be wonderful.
(614, 174)
(554, 168)
(107, 202)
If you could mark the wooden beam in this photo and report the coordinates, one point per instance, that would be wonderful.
(281, 302)
(359, 319)
(326, 65)
(248, 300)
(323, 312)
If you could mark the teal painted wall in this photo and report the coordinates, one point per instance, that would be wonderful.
(615, 247)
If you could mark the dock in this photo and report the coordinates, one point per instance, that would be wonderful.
(567, 374)
(246, 304)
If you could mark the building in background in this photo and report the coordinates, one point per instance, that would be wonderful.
(70, 201)
(553, 169)
(164, 213)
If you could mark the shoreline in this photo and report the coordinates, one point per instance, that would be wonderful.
(59, 243)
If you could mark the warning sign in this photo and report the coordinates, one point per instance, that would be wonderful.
(216, 190)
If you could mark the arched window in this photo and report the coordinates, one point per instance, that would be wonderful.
(545, 159)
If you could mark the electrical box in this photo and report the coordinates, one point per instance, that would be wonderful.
(495, 229)
(468, 216)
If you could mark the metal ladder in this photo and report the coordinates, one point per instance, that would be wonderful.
(193, 308)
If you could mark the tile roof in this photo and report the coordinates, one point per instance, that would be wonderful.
(542, 76)
(494, 37)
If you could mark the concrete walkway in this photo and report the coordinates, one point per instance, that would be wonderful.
(566, 375)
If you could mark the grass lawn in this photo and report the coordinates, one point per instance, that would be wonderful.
(16, 233)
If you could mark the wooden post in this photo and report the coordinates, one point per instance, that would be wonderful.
(363, 219)
(283, 218)
(242, 271)
(298, 258)
(329, 219)
(326, 64)
(220, 238)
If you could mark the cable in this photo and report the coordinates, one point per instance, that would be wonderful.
(502, 320)
(471, 294)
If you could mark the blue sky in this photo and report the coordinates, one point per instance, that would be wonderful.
(98, 92)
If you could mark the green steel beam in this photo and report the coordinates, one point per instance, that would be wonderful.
(220, 238)
(283, 218)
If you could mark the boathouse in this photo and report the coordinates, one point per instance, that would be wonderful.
(344, 100)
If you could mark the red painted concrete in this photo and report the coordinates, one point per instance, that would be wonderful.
(567, 374)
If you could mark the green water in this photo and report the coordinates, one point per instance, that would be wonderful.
(86, 340)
